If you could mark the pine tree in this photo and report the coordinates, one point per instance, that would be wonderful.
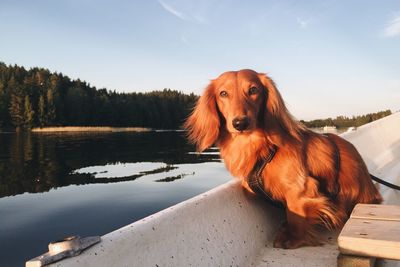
(53, 101)
(3, 105)
(28, 113)
(16, 108)
(42, 111)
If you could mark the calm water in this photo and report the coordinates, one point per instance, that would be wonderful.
(53, 186)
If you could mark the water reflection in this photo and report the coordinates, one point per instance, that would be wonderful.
(57, 185)
(39, 162)
(124, 169)
(131, 171)
(173, 178)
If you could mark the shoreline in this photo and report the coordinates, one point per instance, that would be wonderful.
(89, 129)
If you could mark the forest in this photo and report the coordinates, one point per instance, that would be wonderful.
(345, 122)
(40, 98)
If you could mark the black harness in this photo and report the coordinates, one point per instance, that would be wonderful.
(256, 181)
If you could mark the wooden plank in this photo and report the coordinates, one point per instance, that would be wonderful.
(376, 212)
(372, 238)
(354, 261)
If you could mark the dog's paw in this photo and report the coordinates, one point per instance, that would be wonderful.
(284, 239)
(278, 242)
(281, 236)
(287, 242)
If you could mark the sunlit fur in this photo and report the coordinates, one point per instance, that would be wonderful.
(302, 175)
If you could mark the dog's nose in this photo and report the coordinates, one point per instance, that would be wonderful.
(241, 124)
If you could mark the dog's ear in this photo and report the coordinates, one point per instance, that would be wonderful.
(276, 112)
(203, 124)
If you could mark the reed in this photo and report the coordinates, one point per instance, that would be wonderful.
(89, 129)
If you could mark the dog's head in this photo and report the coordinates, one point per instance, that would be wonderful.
(238, 102)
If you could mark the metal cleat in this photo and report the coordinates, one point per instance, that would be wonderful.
(68, 247)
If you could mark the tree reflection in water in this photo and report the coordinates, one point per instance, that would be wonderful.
(39, 162)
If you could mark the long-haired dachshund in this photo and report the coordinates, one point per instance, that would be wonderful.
(318, 178)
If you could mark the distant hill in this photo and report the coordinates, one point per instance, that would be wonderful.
(40, 98)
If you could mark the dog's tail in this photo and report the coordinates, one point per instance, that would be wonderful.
(320, 212)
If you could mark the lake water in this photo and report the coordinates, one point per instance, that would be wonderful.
(57, 185)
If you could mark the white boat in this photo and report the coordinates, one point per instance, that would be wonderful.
(350, 129)
(329, 129)
(227, 227)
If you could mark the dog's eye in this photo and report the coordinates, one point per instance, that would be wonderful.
(223, 94)
(253, 90)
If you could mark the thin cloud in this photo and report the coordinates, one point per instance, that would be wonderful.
(190, 15)
(392, 29)
(172, 10)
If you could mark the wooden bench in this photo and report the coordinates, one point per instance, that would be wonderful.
(373, 231)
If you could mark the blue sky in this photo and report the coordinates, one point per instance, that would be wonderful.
(328, 57)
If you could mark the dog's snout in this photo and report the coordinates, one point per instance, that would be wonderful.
(241, 123)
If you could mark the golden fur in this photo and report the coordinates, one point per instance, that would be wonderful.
(304, 174)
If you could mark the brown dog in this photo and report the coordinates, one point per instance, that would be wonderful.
(318, 178)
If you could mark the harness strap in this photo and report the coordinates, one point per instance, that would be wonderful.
(376, 179)
(256, 182)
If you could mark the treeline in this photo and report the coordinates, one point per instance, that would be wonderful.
(39, 98)
(344, 122)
